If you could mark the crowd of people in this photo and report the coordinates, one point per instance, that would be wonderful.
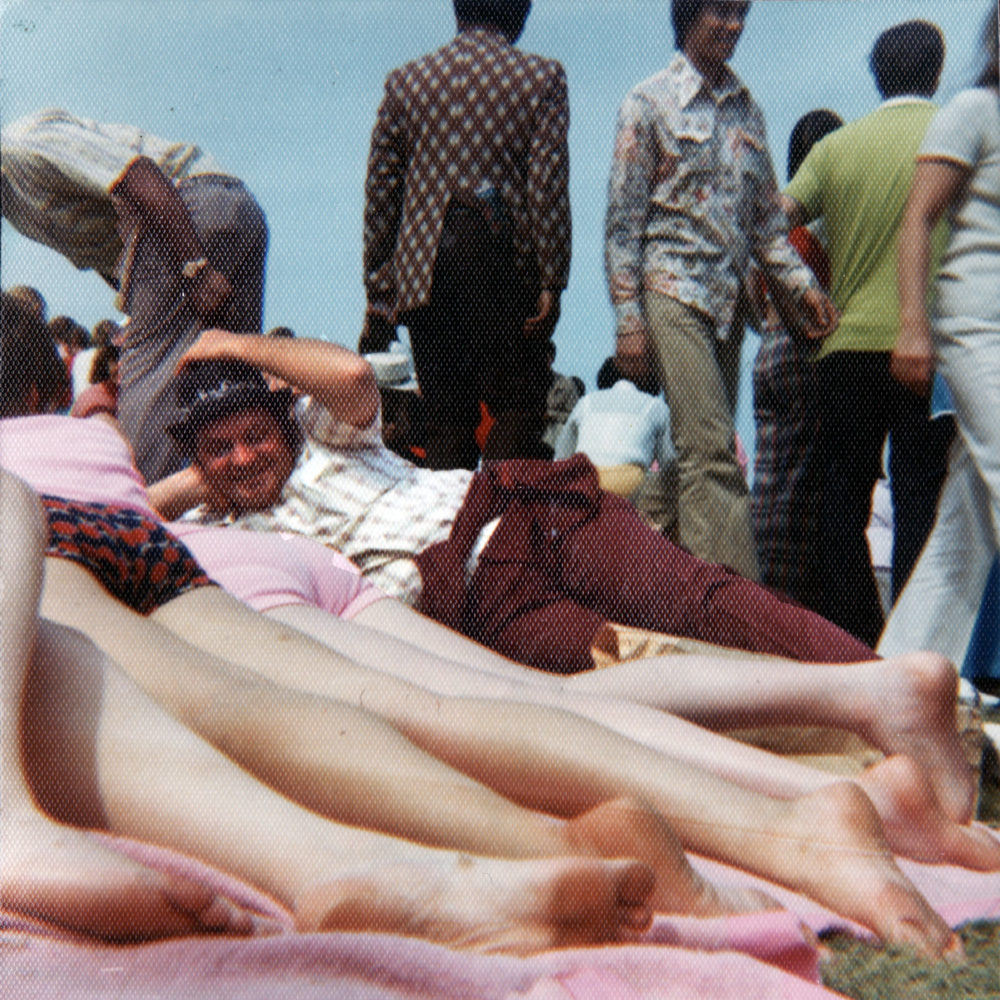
(358, 668)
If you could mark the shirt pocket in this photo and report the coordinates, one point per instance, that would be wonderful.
(687, 149)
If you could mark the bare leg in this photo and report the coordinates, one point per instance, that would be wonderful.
(557, 761)
(50, 871)
(135, 771)
(346, 763)
(915, 824)
(905, 705)
(901, 705)
(927, 835)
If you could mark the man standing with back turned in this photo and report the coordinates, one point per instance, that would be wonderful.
(692, 198)
(467, 230)
(857, 180)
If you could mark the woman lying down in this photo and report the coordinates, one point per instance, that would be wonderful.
(511, 773)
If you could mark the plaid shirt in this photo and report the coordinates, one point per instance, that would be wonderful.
(58, 171)
(477, 112)
(351, 493)
(692, 197)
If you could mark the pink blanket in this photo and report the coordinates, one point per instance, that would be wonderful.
(757, 957)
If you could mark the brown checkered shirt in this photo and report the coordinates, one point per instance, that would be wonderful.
(476, 112)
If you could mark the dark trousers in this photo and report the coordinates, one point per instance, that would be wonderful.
(860, 405)
(469, 346)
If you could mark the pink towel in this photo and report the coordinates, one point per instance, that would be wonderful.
(754, 957)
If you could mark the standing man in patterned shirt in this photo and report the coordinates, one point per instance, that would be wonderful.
(467, 230)
(692, 198)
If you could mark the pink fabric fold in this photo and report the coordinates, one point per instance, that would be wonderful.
(761, 956)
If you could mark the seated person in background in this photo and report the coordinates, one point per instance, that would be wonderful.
(562, 559)
(404, 429)
(105, 331)
(70, 339)
(624, 428)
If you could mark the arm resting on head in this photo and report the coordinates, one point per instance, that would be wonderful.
(342, 381)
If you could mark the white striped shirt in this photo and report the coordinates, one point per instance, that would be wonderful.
(353, 494)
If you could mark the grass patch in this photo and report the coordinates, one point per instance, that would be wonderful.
(861, 970)
(865, 971)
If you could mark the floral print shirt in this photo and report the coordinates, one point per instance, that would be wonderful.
(692, 197)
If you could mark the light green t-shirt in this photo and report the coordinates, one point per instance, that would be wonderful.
(857, 180)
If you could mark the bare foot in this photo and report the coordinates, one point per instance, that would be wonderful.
(489, 905)
(60, 875)
(625, 828)
(916, 825)
(914, 715)
(835, 850)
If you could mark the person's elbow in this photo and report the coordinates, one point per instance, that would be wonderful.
(361, 386)
(135, 176)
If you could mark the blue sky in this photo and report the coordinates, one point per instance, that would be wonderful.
(283, 93)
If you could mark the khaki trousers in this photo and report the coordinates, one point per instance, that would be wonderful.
(700, 376)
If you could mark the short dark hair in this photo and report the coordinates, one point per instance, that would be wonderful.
(28, 360)
(31, 297)
(507, 15)
(806, 132)
(105, 331)
(609, 373)
(907, 59)
(100, 367)
(685, 13)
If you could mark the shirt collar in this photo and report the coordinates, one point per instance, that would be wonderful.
(689, 82)
(482, 34)
(899, 99)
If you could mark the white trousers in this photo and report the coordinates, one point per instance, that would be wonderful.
(939, 606)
